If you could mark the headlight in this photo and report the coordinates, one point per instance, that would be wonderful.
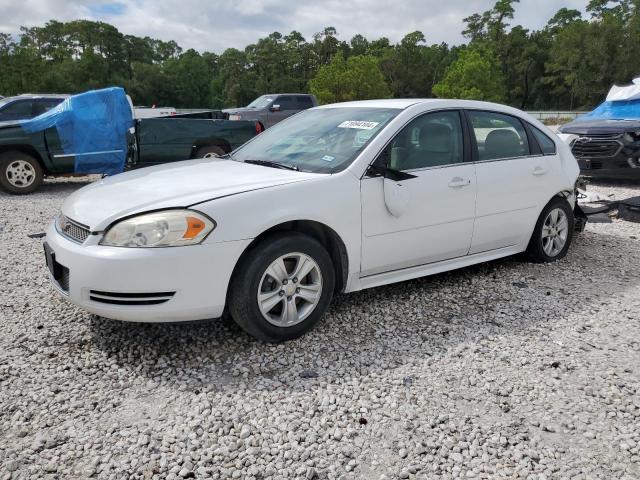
(168, 228)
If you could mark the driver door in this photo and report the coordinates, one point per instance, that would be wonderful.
(436, 222)
(287, 106)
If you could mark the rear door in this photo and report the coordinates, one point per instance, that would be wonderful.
(63, 162)
(515, 180)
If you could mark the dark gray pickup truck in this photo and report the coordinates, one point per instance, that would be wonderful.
(25, 158)
(271, 109)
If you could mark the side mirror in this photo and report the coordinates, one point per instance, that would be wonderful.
(396, 197)
(377, 170)
(275, 108)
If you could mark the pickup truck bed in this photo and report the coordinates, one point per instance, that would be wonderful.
(169, 139)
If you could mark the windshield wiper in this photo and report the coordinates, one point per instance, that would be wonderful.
(269, 163)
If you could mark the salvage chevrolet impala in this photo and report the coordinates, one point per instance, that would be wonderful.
(335, 199)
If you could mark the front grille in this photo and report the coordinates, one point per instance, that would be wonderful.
(73, 230)
(597, 146)
(130, 298)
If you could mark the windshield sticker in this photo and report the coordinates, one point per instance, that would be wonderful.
(358, 124)
(328, 158)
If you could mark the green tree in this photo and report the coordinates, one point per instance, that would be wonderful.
(357, 78)
(473, 76)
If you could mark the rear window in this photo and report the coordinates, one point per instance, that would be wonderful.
(547, 145)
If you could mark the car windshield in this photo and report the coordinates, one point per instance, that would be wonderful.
(324, 140)
(261, 102)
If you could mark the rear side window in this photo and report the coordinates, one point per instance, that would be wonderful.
(499, 136)
(304, 102)
(286, 103)
(547, 145)
(44, 105)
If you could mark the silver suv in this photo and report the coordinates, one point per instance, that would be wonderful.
(271, 109)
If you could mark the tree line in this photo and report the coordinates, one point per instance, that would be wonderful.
(569, 64)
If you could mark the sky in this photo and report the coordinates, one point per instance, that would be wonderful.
(214, 25)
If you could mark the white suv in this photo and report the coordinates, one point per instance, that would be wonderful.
(338, 198)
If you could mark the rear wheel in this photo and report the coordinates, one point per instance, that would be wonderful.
(553, 233)
(282, 287)
(20, 173)
(210, 151)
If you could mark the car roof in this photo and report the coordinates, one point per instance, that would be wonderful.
(276, 94)
(38, 95)
(400, 103)
(404, 103)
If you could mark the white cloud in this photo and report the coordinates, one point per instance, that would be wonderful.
(216, 25)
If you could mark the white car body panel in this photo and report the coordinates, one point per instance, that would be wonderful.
(437, 225)
(443, 227)
(168, 186)
(192, 273)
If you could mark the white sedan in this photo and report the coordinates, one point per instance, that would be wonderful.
(337, 198)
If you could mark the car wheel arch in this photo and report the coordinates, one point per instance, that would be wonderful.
(210, 142)
(321, 232)
(26, 150)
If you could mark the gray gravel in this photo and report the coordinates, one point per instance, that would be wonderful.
(505, 370)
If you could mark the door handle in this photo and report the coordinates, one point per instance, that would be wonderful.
(458, 182)
(539, 171)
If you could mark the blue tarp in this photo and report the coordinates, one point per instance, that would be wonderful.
(615, 110)
(93, 126)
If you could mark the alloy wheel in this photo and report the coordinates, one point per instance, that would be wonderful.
(554, 232)
(289, 289)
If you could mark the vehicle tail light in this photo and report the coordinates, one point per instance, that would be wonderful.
(259, 128)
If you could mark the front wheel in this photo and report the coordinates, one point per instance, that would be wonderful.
(20, 173)
(282, 287)
(553, 233)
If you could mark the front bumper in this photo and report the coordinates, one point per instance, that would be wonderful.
(614, 168)
(145, 284)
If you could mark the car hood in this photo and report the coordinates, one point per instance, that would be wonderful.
(600, 126)
(180, 184)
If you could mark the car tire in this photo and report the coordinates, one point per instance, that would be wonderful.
(553, 232)
(20, 173)
(274, 319)
(210, 151)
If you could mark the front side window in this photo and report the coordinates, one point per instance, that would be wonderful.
(19, 110)
(431, 140)
(499, 136)
(547, 145)
(324, 140)
(261, 102)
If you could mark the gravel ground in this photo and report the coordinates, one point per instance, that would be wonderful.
(505, 370)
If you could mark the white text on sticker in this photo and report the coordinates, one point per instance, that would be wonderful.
(358, 124)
